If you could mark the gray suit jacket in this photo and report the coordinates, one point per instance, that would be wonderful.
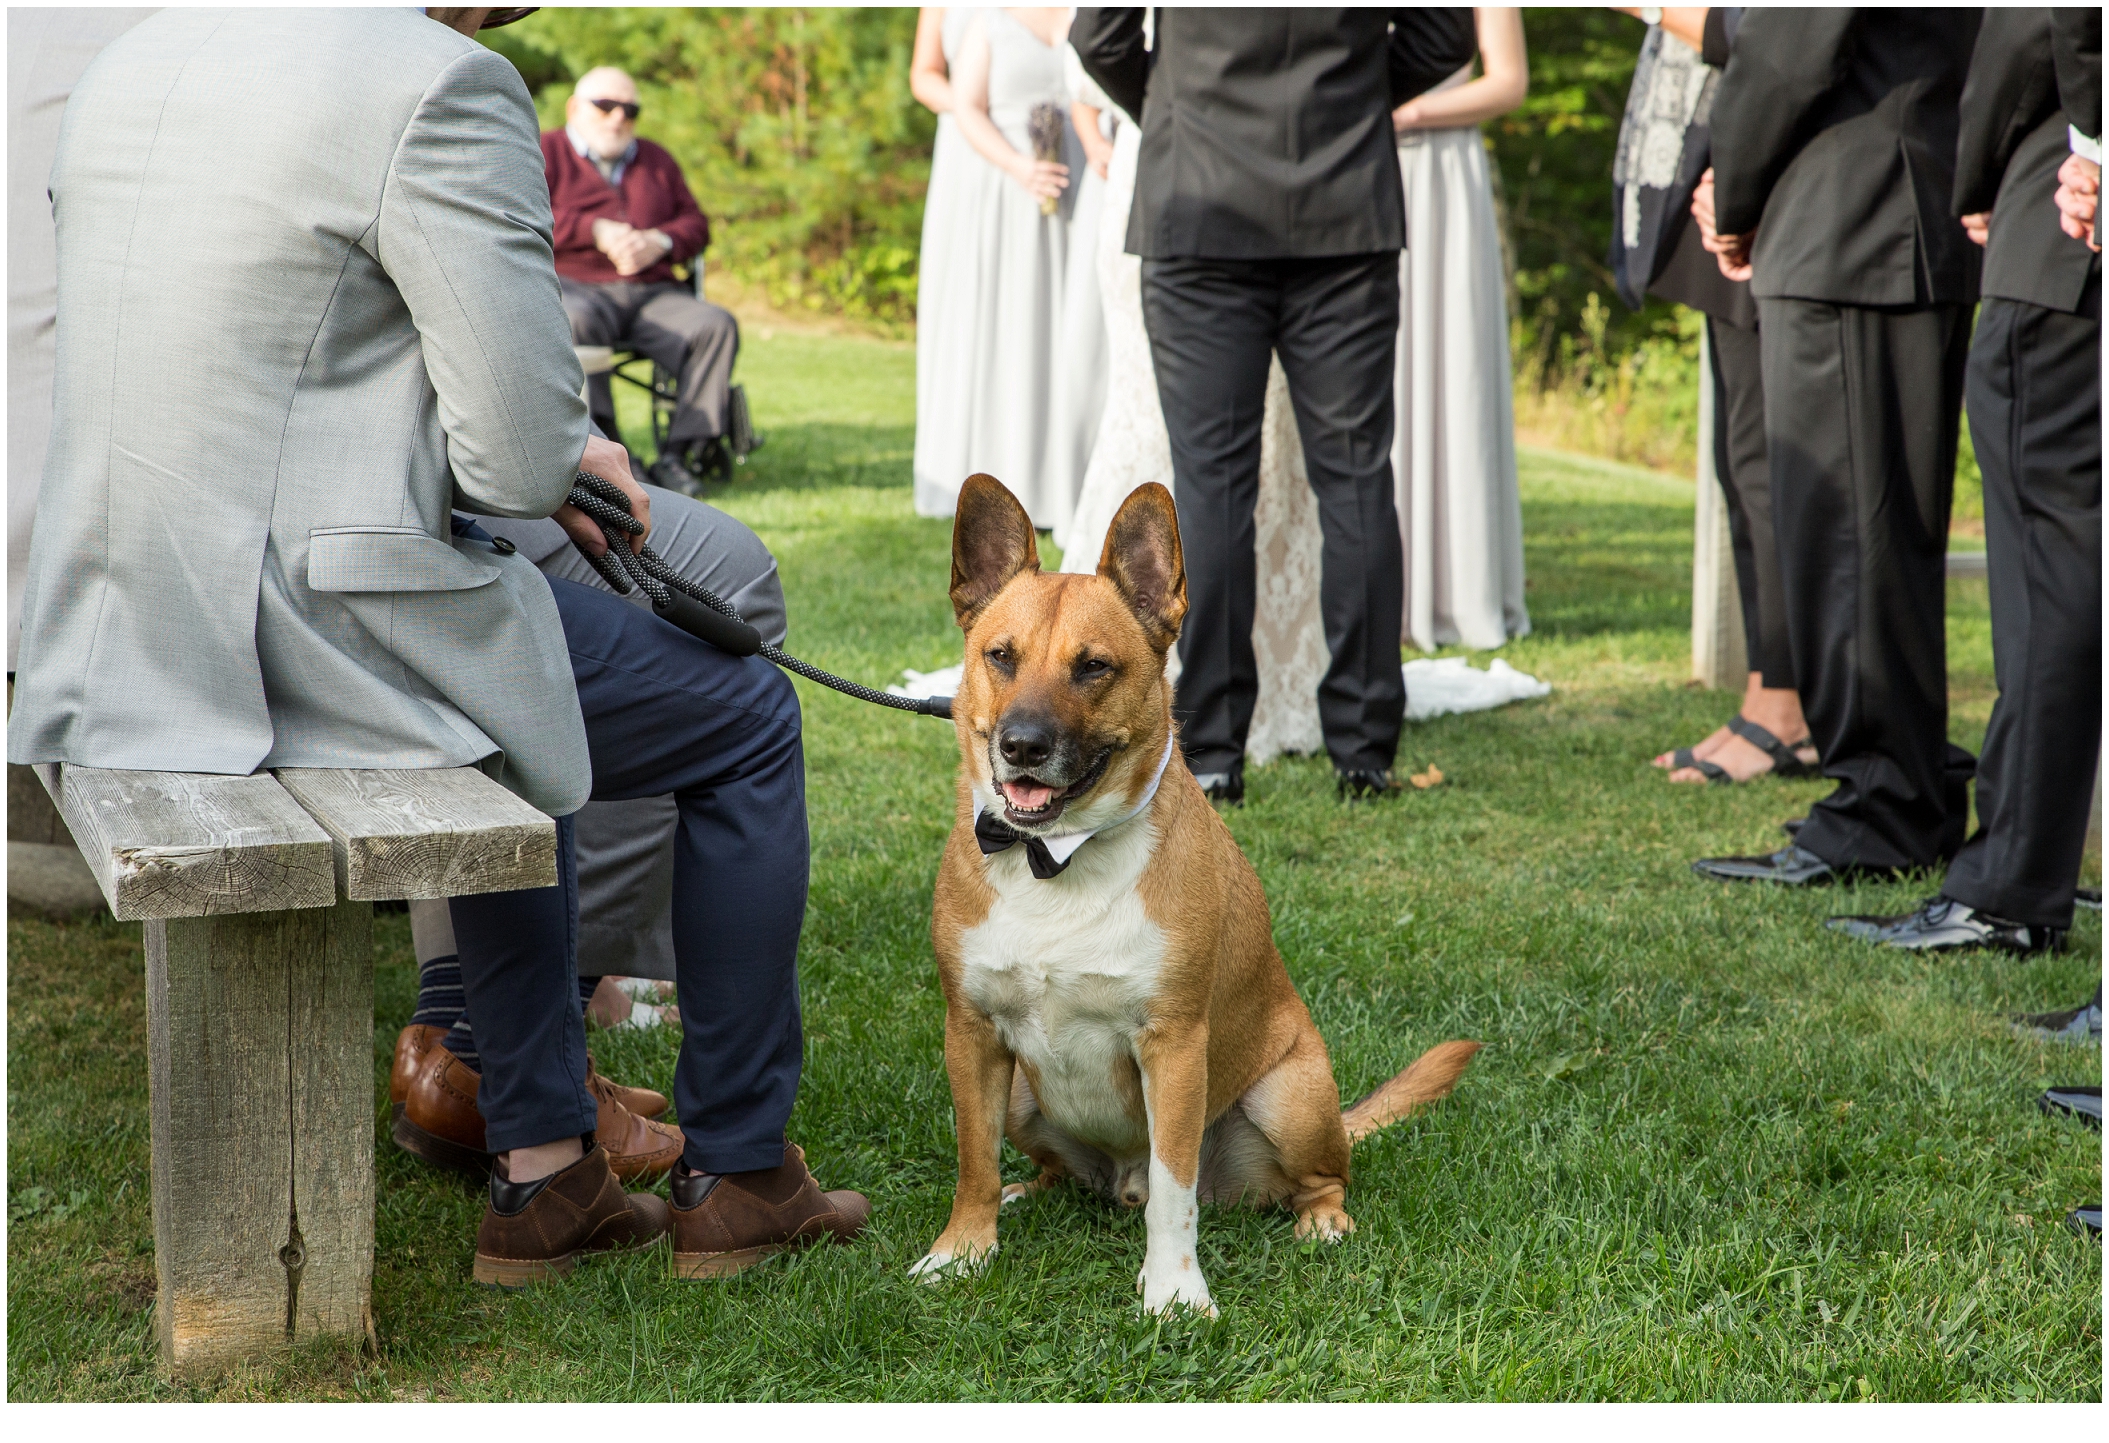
(47, 50)
(306, 306)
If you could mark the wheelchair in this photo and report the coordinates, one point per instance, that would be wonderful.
(714, 460)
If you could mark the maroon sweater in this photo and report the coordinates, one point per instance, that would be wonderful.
(652, 196)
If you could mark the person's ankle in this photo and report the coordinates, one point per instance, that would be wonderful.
(1777, 710)
(528, 1164)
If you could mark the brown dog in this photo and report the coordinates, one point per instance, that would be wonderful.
(1113, 998)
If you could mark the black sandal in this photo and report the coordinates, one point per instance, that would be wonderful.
(1716, 775)
(1784, 762)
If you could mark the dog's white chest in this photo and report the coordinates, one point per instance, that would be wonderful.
(1066, 969)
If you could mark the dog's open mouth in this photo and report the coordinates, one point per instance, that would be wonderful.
(1030, 802)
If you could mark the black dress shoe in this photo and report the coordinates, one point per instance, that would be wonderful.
(668, 471)
(1942, 924)
(1360, 784)
(1791, 866)
(2083, 1104)
(2072, 1024)
(1225, 787)
(2086, 1220)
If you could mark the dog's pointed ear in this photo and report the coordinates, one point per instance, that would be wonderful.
(992, 541)
(1143, 561)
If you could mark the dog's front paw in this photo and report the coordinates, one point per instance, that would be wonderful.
(942, 1262)
(1164, 1291)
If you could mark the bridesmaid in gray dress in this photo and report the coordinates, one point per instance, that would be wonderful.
(1453, 454)
(985, 397)
(945, 289)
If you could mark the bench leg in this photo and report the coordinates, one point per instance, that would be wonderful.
(260, 1031)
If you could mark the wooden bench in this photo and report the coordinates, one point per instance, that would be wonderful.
(257, 893)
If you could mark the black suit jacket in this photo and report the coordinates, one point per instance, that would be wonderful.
(2076, 41)
(1834, 139)
(2007, 157)
(1267, 133)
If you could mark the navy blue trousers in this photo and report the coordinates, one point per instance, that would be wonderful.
(664, 713)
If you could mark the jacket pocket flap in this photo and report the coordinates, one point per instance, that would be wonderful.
(390, 558)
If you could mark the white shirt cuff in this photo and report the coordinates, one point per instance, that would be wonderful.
(2083, 147)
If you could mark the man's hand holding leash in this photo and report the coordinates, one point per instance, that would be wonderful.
(611, 463)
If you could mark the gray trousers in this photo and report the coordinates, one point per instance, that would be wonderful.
(626, 849)
(679, 330)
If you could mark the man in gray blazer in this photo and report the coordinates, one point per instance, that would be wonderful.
(281, 366)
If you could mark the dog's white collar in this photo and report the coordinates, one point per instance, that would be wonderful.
(1063, 845)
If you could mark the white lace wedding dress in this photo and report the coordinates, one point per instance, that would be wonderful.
(1288, 637)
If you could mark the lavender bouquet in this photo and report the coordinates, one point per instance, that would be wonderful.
(1044, 128)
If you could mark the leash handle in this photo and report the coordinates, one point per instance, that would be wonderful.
(695, 609)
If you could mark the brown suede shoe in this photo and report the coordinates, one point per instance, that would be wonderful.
(440, 1123)
(725, 1224)
(535, 1232)
(640, 1100)
(411, 1045)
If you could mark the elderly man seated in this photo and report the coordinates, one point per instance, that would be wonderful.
(624, 218)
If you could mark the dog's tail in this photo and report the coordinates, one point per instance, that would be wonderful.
(1429, 1079)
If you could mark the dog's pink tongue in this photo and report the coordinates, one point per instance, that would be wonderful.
(1027, 796)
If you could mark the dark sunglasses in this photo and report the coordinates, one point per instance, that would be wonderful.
(629, 108)
(506, 17)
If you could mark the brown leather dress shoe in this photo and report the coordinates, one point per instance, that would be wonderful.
(640, 1100)
(639, 1150)
(726, 1223)
(440, 1123)
(411, 1045)
(534, 1232)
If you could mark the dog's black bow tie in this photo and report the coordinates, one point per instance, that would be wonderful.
(996, 835)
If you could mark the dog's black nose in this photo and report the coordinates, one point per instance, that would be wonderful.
(1026, 742)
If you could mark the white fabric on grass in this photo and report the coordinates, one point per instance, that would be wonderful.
(1434, 688)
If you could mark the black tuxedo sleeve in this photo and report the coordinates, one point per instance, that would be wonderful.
(2012, 89)
(1109, 43)
(1426, 47)
(2076, 43)
(1718, 35)
(1783, 65)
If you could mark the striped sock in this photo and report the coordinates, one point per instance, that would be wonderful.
(439, 997)
(462, 1043)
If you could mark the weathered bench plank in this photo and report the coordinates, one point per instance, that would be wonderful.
(181, 844)
(425, 834)
(260, 1044)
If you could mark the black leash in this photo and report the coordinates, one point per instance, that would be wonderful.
(696, 611)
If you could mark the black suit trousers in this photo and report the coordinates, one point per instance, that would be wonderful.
(2035, 397)
(1862, 407)
(1746, 483)
(1334, 322)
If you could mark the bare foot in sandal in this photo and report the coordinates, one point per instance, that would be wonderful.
(1752, 744)
(1747, 757)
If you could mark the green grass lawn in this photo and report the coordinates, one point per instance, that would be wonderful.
(1710, 1151)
